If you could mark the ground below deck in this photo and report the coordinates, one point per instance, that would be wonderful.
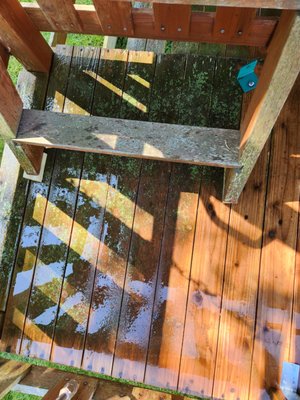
(135, 268)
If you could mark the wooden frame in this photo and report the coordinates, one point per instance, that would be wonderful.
(278, 76)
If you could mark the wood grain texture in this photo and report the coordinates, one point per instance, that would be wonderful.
(21, 36)
(199, 349)
(4, 55)
(274, 313)
(52, 256)
(11, 372)
(168, 319)
(113, 15)
(61, 14)
(201, 26)
(11, 105)
(208, 146)
(278, 76)
(111, 265)
(172, 20)
(142, 270)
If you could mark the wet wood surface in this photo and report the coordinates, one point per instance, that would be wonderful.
(136, 269)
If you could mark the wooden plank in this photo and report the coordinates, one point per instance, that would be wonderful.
(114, 14)
(13, 188)
(201, 27)
(61, 14)
(283, 60)
(142, 269)
(274, 312)
(237, 322)
(22, 37)
(233, 22)
(224, 112)
(51, 259)
(182, 143)
(29, 157)
(138, 85)
(11, 373)
(11, 105)
(197, 90)
(57, 38)
(71, 325)
(172, 19)
(81, 82)
(58, 79)
(205, 292)
(277, 4)
(109, 83)
(85, 391)
(167, 88)
(163, 361)
(26, 256)
(111, 265)
(4, 55)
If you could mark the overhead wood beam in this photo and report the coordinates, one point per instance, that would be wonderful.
(200, 30)
(11, 372)
(277, 4)
(61, 14)
(204, 146)
(277, 78)
(19, 34)
(4, 55)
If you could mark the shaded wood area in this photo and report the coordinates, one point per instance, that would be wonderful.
(135, 268)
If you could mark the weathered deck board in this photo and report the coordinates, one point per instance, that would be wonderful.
(111, 265)
(139, 290)
(52, 256)
(105, 321)
(274, 313)
(167, 328)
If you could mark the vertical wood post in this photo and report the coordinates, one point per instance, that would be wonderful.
(278, 76)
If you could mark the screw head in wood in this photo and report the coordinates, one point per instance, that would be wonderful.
(240, 33)
(179, 29)
(162, 28)
(108, 26)
(222, 31)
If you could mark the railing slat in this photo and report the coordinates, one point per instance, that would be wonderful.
(115, 16)
(61, 14)
(172, 19)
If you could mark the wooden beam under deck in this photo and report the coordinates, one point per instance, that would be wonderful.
(278, 76)
(181, 143)
(259, 31)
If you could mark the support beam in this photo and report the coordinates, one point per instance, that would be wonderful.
(4, 55)
(11, 105)
(277, 4)
(21, 36)
(278, 76)
(177, 143)
(57, 38)
(11, 373)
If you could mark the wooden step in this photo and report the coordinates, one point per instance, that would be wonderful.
(149, 140)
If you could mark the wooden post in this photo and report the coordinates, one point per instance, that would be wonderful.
(21, 36)
(278, 76)
(4, 55)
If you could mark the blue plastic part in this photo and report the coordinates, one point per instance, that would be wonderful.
(247, 77)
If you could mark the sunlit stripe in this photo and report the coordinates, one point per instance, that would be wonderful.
(118, 91)
(140, 80)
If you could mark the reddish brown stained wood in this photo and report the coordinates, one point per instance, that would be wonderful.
(111, 265)
(272, 336)
(4, 55)
(201, 26)
(205, 291)
(11, 105)
(19, 33)
(114, 16)
(139, 290)
(172, 19)
(167, 329)
(61, 14)
(233, 23)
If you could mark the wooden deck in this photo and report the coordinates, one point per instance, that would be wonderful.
(136, 269)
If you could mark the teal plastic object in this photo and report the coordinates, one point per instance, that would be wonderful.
(247, 77)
